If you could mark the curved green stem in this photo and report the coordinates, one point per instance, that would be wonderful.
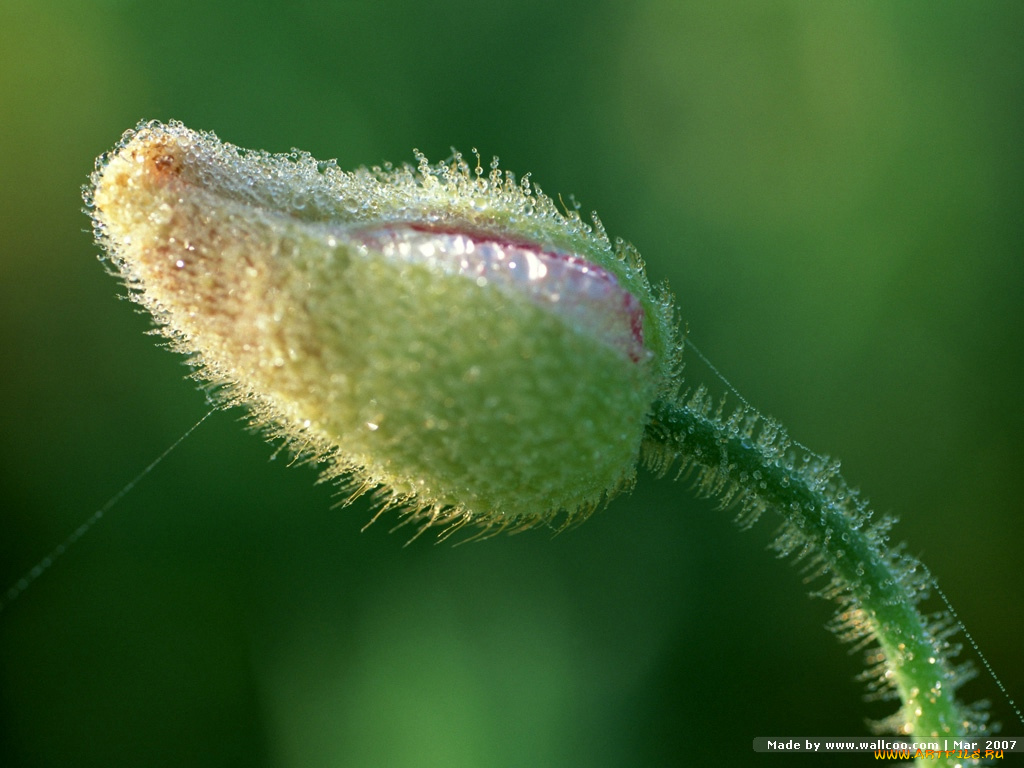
(746, 459)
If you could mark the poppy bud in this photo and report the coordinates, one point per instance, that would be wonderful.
(446, 337)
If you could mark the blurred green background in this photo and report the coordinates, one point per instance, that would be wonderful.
(834, 191)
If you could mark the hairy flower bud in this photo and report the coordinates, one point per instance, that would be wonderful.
(447, 337)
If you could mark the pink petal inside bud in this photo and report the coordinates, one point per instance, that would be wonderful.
(587, 296)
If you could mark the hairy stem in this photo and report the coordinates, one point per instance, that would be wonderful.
(746, 459)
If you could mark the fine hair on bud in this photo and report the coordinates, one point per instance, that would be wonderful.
(446, 338)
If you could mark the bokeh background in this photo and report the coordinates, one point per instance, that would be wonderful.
(834, 191)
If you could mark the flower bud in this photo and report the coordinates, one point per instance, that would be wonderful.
(446, 337)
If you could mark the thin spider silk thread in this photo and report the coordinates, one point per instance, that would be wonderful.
(741, 398)
(32, 575)
(981, 656)
(44, 564)
(934, 585)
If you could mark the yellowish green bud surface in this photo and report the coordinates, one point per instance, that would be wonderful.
(444, 336)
